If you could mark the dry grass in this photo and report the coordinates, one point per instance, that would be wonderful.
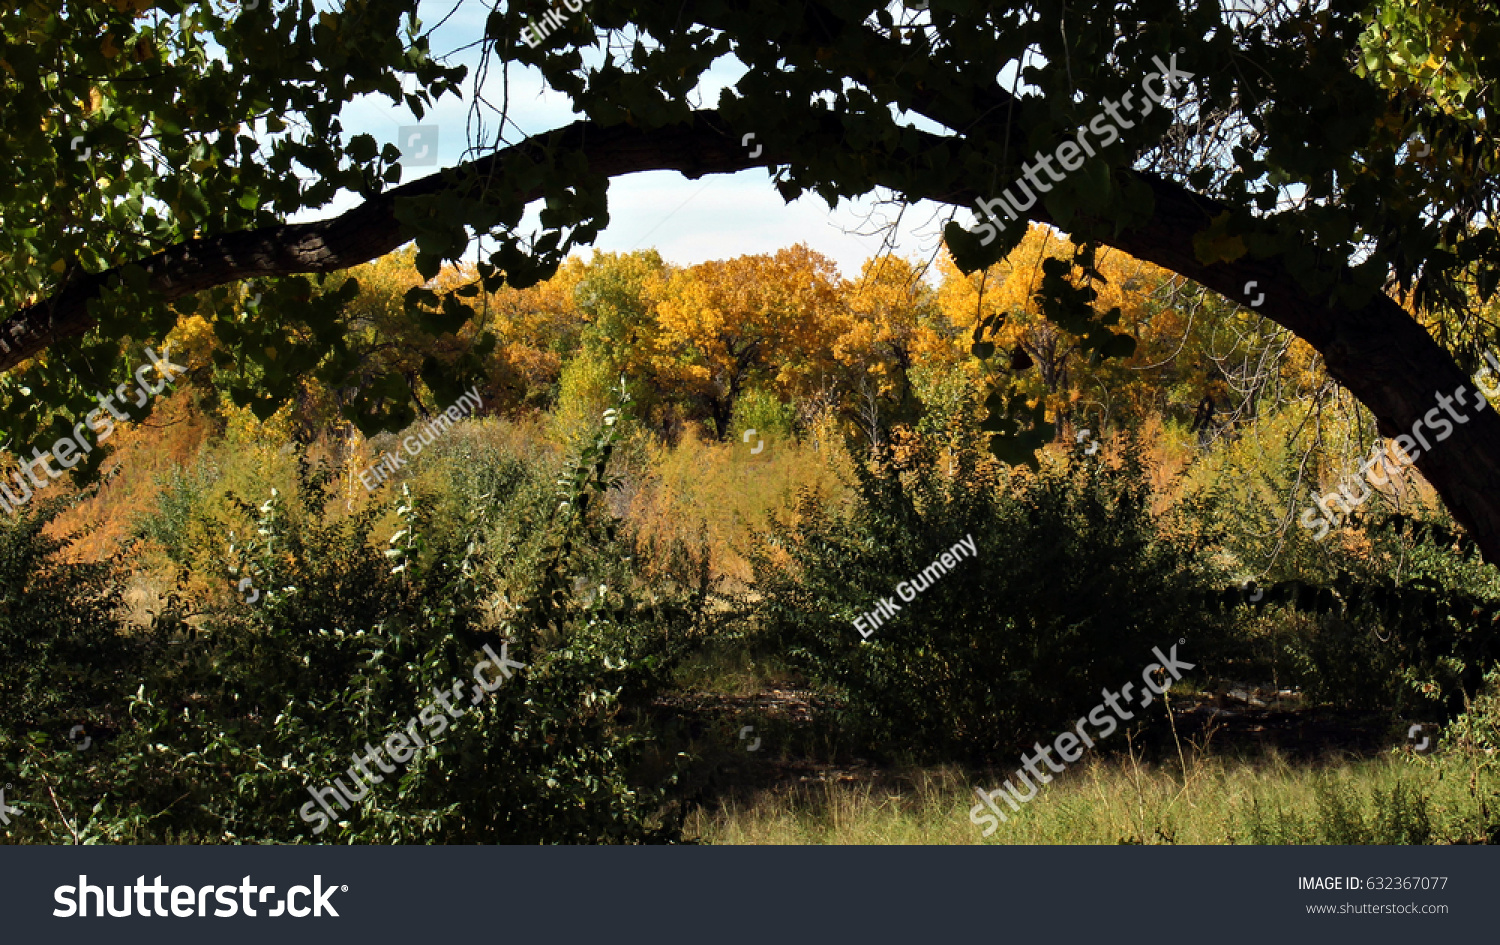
(1396, 798)
(715, 494)
(170, 437)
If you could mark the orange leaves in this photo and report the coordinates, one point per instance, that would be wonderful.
(722, 323)
(891, 322)
(1045, 361)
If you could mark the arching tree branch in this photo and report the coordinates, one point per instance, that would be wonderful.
(1382, 355)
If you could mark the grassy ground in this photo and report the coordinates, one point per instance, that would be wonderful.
(1395, 798)
(1278, 774)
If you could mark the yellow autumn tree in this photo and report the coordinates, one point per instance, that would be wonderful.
(892, 323)
(1046, 361)
(538, 328)
(891, 329)
(725, 325)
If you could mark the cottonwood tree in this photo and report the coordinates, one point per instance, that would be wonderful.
(722, 326)
(891, 323)
(1191, 344)
(1334, 153)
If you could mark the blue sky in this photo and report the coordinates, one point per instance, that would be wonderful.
(715, 217)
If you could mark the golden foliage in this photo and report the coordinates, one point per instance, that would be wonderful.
(722, 325)
(893, 321)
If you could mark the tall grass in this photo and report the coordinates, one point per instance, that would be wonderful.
(1393, 799)
(715, 495)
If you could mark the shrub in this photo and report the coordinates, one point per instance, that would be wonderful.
(348, 641)
(1477, 729)
(61, 643)
(1393, 612)
(763, 412)
(1073, 584)
(583, 391)
(1403, 625)
(181, 498)
(69, 667)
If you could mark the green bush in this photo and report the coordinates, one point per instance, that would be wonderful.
(1073, 585)
(1405, 625)
(763, 412)
(180, 507)
(1477, 729)
(258, 702)
(69, 667)
(61, 642)
(1395, 611)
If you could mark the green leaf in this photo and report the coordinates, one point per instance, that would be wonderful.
(1217, 244)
